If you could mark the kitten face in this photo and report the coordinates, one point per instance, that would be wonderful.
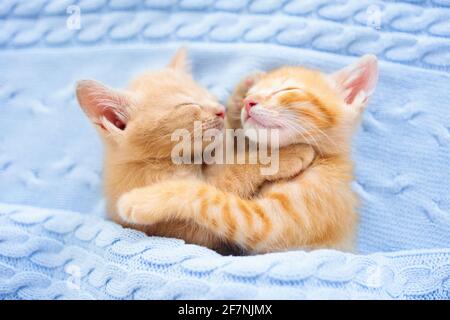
(141, 120)
(308, 106)
(167, 101)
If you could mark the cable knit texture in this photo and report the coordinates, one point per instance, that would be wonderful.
(54, 240)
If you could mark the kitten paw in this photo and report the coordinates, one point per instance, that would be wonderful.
(308, 155)
(138, 206)
(293, 160)
(250, 80)
(148, 205)
(245, 84)
(126, 208)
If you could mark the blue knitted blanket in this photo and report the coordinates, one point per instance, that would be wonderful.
(55, 242)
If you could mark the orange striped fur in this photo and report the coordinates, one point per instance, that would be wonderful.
(152, 107)
(314, 209)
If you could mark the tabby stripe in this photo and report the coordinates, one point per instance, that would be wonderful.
(264, 219)
(231, 225)
(201, 194)
(248, 215)
(202, 191)
(217, 199)
(204, 208)
(326, 117)
(286, 205)
(246, 210)
(329, 114)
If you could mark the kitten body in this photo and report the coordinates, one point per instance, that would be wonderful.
(136, 125)
(316, 209)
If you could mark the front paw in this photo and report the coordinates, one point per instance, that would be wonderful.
(242, 88)
(246, 83)
(127, 207)
(308, 155)
(138, 207)
(294, 159)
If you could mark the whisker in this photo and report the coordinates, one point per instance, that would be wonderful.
(311, 126)
(294, 127)
(296, 124)
(314, 127)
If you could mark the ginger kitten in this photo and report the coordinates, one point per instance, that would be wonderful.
(136, 126)
(316, 209)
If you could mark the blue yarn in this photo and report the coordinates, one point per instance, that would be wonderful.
(54, 239)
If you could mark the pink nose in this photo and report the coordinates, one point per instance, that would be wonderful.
(221, 112)
(249, 104)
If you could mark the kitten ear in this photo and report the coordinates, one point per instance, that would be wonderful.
(358, 79)
(180, 61)
(106, 107)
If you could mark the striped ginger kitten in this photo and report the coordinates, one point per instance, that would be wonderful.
(136, 125)
(316, 209)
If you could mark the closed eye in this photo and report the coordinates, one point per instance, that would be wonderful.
(187, 104)
(287, 89)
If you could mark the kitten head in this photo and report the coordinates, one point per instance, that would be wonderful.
(141, 119)
(307, 106)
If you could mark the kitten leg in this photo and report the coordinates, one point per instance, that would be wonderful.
(293, 159)
(245, 180)
(240, 179)
(246, 223)
(147, 205)
(313, 210)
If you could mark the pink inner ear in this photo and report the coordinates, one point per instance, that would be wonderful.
(99, 101)
(361, 76)
(356, 86)
(112, 117)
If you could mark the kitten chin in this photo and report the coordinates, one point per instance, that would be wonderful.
(274, 138)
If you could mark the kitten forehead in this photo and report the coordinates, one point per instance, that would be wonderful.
(169, 87)
(269, 87)
(293, 83)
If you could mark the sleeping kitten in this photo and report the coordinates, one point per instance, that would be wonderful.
(245, 180)
(136, 126)
(315, 209)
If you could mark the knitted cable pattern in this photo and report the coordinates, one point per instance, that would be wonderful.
(413, 32)
(50, 156)
(66, 255)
